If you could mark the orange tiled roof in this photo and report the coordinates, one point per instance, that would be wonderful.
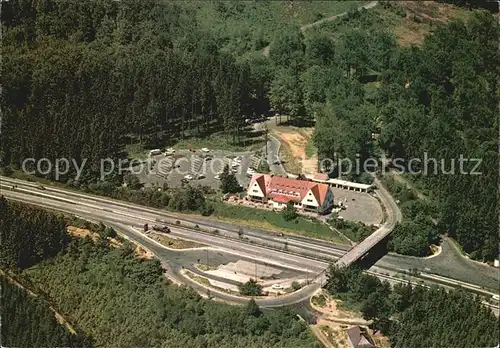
(285, 189)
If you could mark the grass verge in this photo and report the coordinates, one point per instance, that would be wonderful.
(270, 220)
(175, 243)
(310, 148)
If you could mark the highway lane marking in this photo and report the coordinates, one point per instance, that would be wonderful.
(130, 215)
(88, 198)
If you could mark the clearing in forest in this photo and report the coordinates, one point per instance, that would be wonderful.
(297, 149)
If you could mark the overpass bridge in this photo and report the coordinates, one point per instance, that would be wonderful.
(393, 216)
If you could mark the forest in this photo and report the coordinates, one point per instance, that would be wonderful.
(29, 234)
(86, 79)
(28, 321)
(415, 316)
(104, 291)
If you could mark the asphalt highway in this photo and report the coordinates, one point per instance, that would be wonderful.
(302, 254)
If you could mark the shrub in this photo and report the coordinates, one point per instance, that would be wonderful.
(289, 213)
(250, 288)
(296, 286)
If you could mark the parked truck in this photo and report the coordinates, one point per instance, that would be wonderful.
(161, 228)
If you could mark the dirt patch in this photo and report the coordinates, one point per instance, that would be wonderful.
(81, 232)
(331, 334)
(142, 253)
(139, 251)
(333, 322)
(333, 312)
(421, 17)
(294, 143)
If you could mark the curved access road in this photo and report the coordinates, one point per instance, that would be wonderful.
(393, 216)
(303, 254)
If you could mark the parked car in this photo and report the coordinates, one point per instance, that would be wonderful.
(200, 176)
(217, 177)
(277, 287)
(169, 151)
(188, 177)
(154, 152)
(205, 149)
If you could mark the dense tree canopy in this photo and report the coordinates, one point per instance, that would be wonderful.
(417, 316)
(28, 322)
(82, 80)
(29, 234)
(441, 102)
(122, 301)
(108, 294)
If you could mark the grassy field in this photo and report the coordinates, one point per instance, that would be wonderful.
(136, 151)
(310, 148)
(274, 221)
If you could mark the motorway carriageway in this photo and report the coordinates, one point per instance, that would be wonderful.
(116, 212)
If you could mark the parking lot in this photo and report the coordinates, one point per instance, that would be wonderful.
(361, 207)
(197, 168)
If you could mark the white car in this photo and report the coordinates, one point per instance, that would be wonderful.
(217, 177)
(205, 149)
(277, 287)
(188, 177)
(169, 151)
(154, 152)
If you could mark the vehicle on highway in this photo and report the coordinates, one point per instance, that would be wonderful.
(40, 187)
(161, 228)
(145, 227)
